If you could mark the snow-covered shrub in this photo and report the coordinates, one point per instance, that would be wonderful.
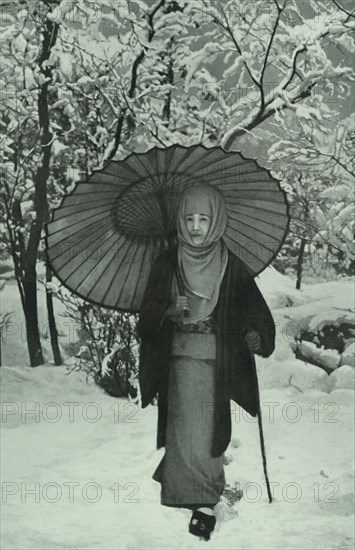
(106, 347)
(118, 372)
(328, 359)
(5, 318)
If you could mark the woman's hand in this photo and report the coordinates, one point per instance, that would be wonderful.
(176, 310)
(253, 341)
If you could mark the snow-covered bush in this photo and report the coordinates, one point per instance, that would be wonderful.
(106, 347)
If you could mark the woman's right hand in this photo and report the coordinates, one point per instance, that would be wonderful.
(176, 309)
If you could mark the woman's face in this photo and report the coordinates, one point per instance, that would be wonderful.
(198, 225)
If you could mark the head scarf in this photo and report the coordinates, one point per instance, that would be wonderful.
(202, 266)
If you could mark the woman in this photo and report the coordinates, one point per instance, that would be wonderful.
(197, 364)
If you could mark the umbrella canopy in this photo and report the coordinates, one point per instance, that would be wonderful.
(103, 238)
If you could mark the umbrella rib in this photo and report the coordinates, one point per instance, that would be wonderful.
(261, 198)
(92, 183)
(128, 167)
(146, 171)
(146, 216)
(93, 197)
(205, 154)
(258, 230)
(248, 237)
(175, 204)
(115, 273)
(221, 159)
(103, 228)
(187, 155)
(158, 212)
(165, 169)
(242, 186)
(116, 188)
(254, 186)
(252, 163)
(84, 209)
(101, 235)
(257, 219)
(144, 205)
(238, 202)
(118, 165)
(72, 225)
(157, 166)
(139, 197)
(246, 250)
(95, 266)
(86, 258)
(172, 211)
(249, 189)
(174, 207)
(141, 264)
(128, 272)
(105, 196)
(99, 204)
(102, 179)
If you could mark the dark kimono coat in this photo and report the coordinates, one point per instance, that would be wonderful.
(240, 307)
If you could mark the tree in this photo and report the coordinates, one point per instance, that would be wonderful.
(94, 81)
(319, 169)
(31, 52)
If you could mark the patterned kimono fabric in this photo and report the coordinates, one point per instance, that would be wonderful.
(190, 477)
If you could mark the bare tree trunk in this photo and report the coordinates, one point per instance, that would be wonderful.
(40, 203)
(51, 321)
(31, 315)
(300, 262)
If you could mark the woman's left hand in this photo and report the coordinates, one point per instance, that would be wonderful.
(253, 340)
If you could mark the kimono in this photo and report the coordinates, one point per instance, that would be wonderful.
(240, 308)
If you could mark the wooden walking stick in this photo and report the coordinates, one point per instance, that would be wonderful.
(261, 434)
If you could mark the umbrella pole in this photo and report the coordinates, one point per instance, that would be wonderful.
(179, 280)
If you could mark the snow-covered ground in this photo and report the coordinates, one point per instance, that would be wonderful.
(77, 463)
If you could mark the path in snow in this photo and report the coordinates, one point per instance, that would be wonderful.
(309, 444)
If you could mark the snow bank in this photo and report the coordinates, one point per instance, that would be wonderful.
(315, 306)
(279, 290)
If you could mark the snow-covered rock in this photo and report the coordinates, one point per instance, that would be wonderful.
(296, 373)
(348, 356)
(348, 342)
(305, 376)
(309, 350)
(330, 358)
(343, 377)
(327, 358)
